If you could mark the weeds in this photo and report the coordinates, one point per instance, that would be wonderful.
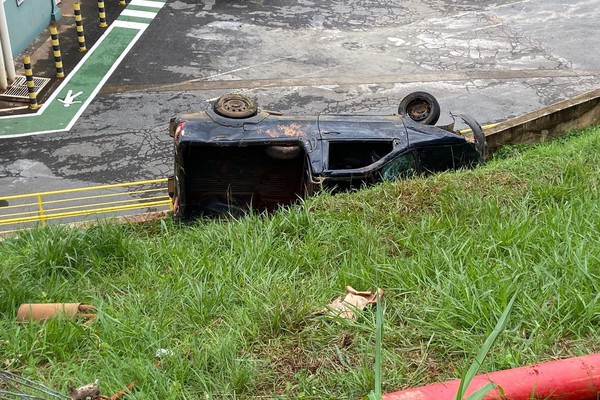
(376, 393)
(470, 373)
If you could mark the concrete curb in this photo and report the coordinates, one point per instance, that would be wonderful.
(550, 122)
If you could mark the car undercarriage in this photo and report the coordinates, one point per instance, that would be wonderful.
(235, 157)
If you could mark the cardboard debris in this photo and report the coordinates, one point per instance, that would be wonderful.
(87, 392)
(346, 306)
(45, 311)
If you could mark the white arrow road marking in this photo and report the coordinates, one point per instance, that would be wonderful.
(69, 99)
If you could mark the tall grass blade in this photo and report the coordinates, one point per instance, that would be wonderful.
(482, 391)
(378, 346)
(472, 371)
(376, 393)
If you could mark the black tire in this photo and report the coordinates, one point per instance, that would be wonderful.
(235, 106)
(421, 107)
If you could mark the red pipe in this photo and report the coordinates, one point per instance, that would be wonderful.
(575, 378)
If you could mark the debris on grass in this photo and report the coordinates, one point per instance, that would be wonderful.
(162, 353)
(346, 306)
(89, 391)
(120, 393)
(46, 311)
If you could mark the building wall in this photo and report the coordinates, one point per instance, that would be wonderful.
(27, 20)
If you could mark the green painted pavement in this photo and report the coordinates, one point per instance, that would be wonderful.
(142, 8)
(92, 73)
(65, 106)
(133, 19)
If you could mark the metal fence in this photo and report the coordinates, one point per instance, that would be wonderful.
(83, 204)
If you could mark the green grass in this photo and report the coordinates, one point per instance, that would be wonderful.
(469, 374)
(237, 301)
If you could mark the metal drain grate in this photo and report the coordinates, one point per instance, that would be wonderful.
(18, 90)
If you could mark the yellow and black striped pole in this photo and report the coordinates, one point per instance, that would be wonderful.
(60, 73)
(79, 27)
(33, 104)
(102, 14)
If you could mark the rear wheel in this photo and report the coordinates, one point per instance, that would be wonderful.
(235, 106)
(421, 107)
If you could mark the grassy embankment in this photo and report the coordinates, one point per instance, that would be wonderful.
(235, 301)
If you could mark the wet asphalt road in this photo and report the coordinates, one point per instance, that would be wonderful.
(492, 59)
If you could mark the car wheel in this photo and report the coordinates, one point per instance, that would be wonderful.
(421, 107)
(235, 106)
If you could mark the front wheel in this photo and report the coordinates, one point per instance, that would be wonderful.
(421, 107)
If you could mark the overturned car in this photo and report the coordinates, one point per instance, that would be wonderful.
(236, 156)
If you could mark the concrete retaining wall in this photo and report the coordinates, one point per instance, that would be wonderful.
(548, 123)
